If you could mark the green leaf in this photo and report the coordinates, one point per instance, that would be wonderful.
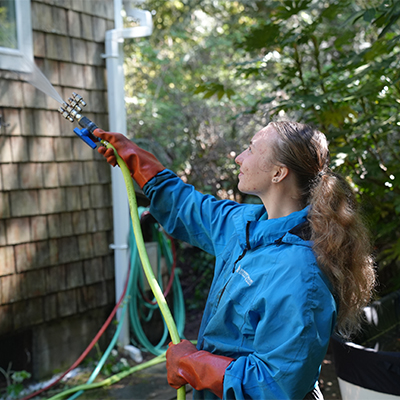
(20, 376)
(369, 15)
(352, 18)
(265, 35)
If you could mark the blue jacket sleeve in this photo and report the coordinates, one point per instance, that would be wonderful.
(189, 215)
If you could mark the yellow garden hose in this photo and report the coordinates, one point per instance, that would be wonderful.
(155, 288)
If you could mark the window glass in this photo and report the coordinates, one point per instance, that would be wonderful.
(8, 24)
(16, 47)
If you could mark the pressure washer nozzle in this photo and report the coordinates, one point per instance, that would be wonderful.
(72, 109)
(78, 99)
(69, 112)
(74, 105)
(65, 114)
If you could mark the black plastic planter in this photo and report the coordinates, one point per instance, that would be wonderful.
(368, 368)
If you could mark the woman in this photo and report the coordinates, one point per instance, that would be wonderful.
(287, 272)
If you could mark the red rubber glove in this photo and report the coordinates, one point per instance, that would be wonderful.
(201, 369)
(142, 164)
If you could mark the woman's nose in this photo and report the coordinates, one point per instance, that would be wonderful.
(239, 159)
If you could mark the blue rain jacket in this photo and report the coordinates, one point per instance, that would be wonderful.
(269, 307)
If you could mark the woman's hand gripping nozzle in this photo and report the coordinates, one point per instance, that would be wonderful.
(142, 165)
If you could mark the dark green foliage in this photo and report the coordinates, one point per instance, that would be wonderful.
(214, 72)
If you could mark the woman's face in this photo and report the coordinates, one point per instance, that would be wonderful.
(257, 167)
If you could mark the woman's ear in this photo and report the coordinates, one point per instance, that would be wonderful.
(281, 172)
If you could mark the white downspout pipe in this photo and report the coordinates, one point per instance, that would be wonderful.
(117, 123)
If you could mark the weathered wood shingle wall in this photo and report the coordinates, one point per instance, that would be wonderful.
(56, 267)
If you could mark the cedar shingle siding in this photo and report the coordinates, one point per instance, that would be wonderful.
(56, 268)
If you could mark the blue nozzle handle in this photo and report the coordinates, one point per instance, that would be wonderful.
(85, 135)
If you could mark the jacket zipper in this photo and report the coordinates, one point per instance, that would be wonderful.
(233, 270)
(245, 250)
(239, 258)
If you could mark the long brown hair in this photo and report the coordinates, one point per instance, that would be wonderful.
(341, 240)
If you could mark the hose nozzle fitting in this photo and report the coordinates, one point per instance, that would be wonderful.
(71, 109)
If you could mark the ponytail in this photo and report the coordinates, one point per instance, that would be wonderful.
(341, 240)
(342, 246)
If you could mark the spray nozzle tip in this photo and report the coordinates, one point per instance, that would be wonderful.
(79, 99)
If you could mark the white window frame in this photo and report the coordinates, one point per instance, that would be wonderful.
(20, 59)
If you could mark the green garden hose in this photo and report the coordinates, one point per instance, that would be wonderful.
(141, 309)
(155, 288)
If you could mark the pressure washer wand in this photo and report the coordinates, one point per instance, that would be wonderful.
(72, 111)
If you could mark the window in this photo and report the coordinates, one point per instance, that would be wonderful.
(16, 51)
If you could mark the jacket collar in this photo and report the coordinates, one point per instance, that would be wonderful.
(264, 232)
